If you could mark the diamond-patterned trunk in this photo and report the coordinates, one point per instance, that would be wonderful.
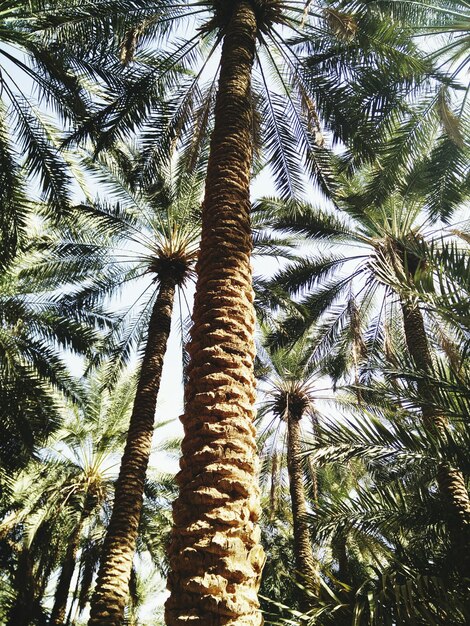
(215, 555)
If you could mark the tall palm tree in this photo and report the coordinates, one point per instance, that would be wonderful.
(389, 250)
(220, 378)
(148, 240)
(289, 396)
(215, 556)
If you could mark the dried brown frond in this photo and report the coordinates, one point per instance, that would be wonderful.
(355, 328)
(313, 119)
(131, 40)
(343, 25)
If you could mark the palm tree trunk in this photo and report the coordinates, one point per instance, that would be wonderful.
(112, 586)
(450, 480)
(215, 554)
(76, 593)
(26, 605)
(66, 573)
(307, 575)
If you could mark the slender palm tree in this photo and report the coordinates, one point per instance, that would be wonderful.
(288, 396)
(149, 240)
(389, 248)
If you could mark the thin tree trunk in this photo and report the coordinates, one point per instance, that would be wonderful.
(112, 586)
(215, 554)
(76, 592)
(341, 552)
(306, 572)
(450, 480)
(66, 573)
(21, 614)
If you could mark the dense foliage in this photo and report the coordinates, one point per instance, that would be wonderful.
(355, 127)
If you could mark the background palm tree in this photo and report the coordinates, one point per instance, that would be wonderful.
(390, 258)
(394, 514)
(64, 492)
(288, 392)
(147, 233)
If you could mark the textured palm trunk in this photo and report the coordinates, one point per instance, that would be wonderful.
(215, 554)
(450, 480)
(66, 573)
(112, 586)
(307, 574)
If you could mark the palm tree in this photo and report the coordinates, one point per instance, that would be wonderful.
(389, 251)
(148, 240)
(149, 235)
(55, 496)
(289, 397)
(93, 437)
(220, 377)
(393, 512)
(215, 556)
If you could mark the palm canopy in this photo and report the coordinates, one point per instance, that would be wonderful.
(37, 323)
(58, 61)
(129, 241)
(373, 256)
(28, 136)
(427, 148)
(317, 73)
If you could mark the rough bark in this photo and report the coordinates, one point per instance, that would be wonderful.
(306, 572)
(112, 586)
(450, 480)
(215, 555)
